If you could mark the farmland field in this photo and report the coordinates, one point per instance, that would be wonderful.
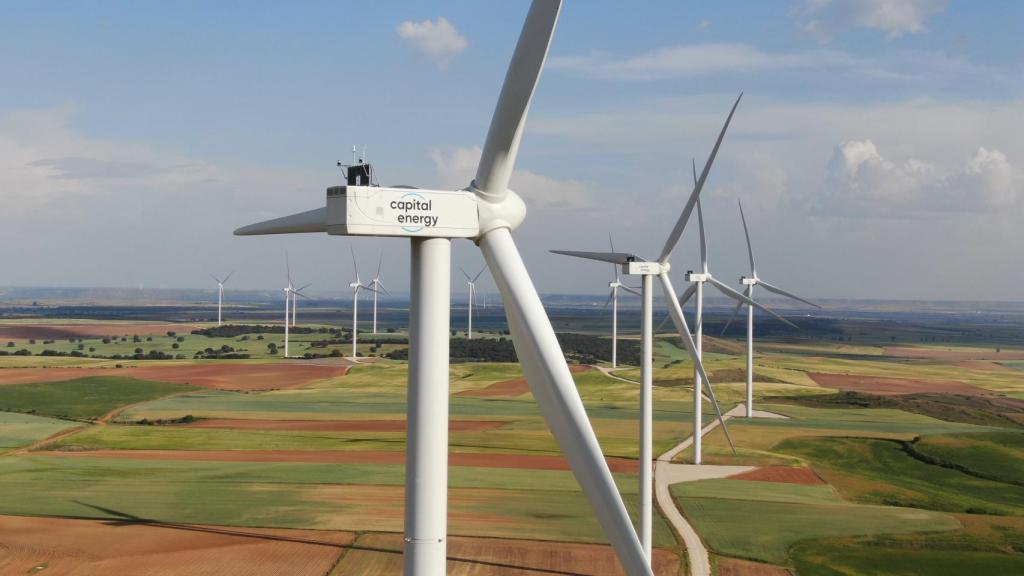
(307, 456)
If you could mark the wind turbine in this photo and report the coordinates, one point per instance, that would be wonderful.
(486, 212)
(697, 287)
(635, 265)
(472, 294)
(356, 286)
(220, 292)
(750, 282)
(293, 291)
(376, 286)
(613, 299)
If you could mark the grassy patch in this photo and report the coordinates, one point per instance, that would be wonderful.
(17, 430)
(980, 410)
(880, 471)
(841, 558)
(82, 398)
(762, 521)
(994, 455)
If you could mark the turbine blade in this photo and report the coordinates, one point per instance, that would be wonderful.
(506, 130)
(228, 277)
(557, 397)
(782, 292)
(304, 287)
(615, 268)
(310, 221)
(380, 262)
(673, 238)
(299, 293)
(735, 311)
(355, 264)
(466, 275)
(611, 295)
(703, 242)
(479, 273)
(613, 257)
(687, 294)
(288, 268)
(381, 286)
(631, 290)
(676, 312)
(725, 289)
(750, 250)
(215, 279)
(663, 322)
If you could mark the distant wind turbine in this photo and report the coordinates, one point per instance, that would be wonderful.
(472, 296)
(750, 282)
(220, 293)
(377, 287)
(613, 299)
(356, 287)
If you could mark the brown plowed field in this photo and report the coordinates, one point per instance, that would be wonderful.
(54, 331)
(378, 555)
(338, 425)
(243, 377)
(69, 547)
(893, 386)
(510, 388)
(953, 355)
(785, 474)
(733, 567)
(530, 461)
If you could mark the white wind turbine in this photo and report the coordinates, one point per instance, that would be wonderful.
(293, 291)
(486, 212)
(613, 299)
(376, 287)
(357, 286)
(472, 296)
(750, 282)
(634, 265)
(697, 287)
(220, 293)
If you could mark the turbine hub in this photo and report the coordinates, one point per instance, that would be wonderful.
(508, 211)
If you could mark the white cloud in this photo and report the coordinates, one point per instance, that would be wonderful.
(895, 18)
(694, 59)
(438, 40)
(457, 168)
(860, 181)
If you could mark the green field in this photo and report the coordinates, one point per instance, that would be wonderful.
(762, 520)
(82, 398)
(17, 430)
(534, 504)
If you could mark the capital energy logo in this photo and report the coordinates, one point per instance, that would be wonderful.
(412, 208)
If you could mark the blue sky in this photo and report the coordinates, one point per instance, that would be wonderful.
(876, 138)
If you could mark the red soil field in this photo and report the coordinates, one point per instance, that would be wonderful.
(55, 331)
(498, 557)
(893, 386)
(733, 567)
(510, 388)
(785, 474)
(69, 547)
(242, 377)
(338, 425)
(953, 354)
(530, 461)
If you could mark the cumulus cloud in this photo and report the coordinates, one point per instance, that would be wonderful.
(457, 168)
(895, 18)
(437, 40)
(861, 181)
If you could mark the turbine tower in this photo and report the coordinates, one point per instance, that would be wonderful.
(287, 314)
(486, 212)
(356, 286)
(472, 296)
(635, 265)
(750, 282)
(220, 292)
(377, 286)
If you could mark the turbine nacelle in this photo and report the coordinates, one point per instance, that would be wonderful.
(747, 281)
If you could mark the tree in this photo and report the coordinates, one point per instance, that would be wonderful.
(180, 338)
(10, 344)
(138, 350)
(171, 333)
(106, 340)
(175, 345)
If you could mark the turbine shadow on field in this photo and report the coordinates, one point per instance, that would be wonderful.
(127, 519)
